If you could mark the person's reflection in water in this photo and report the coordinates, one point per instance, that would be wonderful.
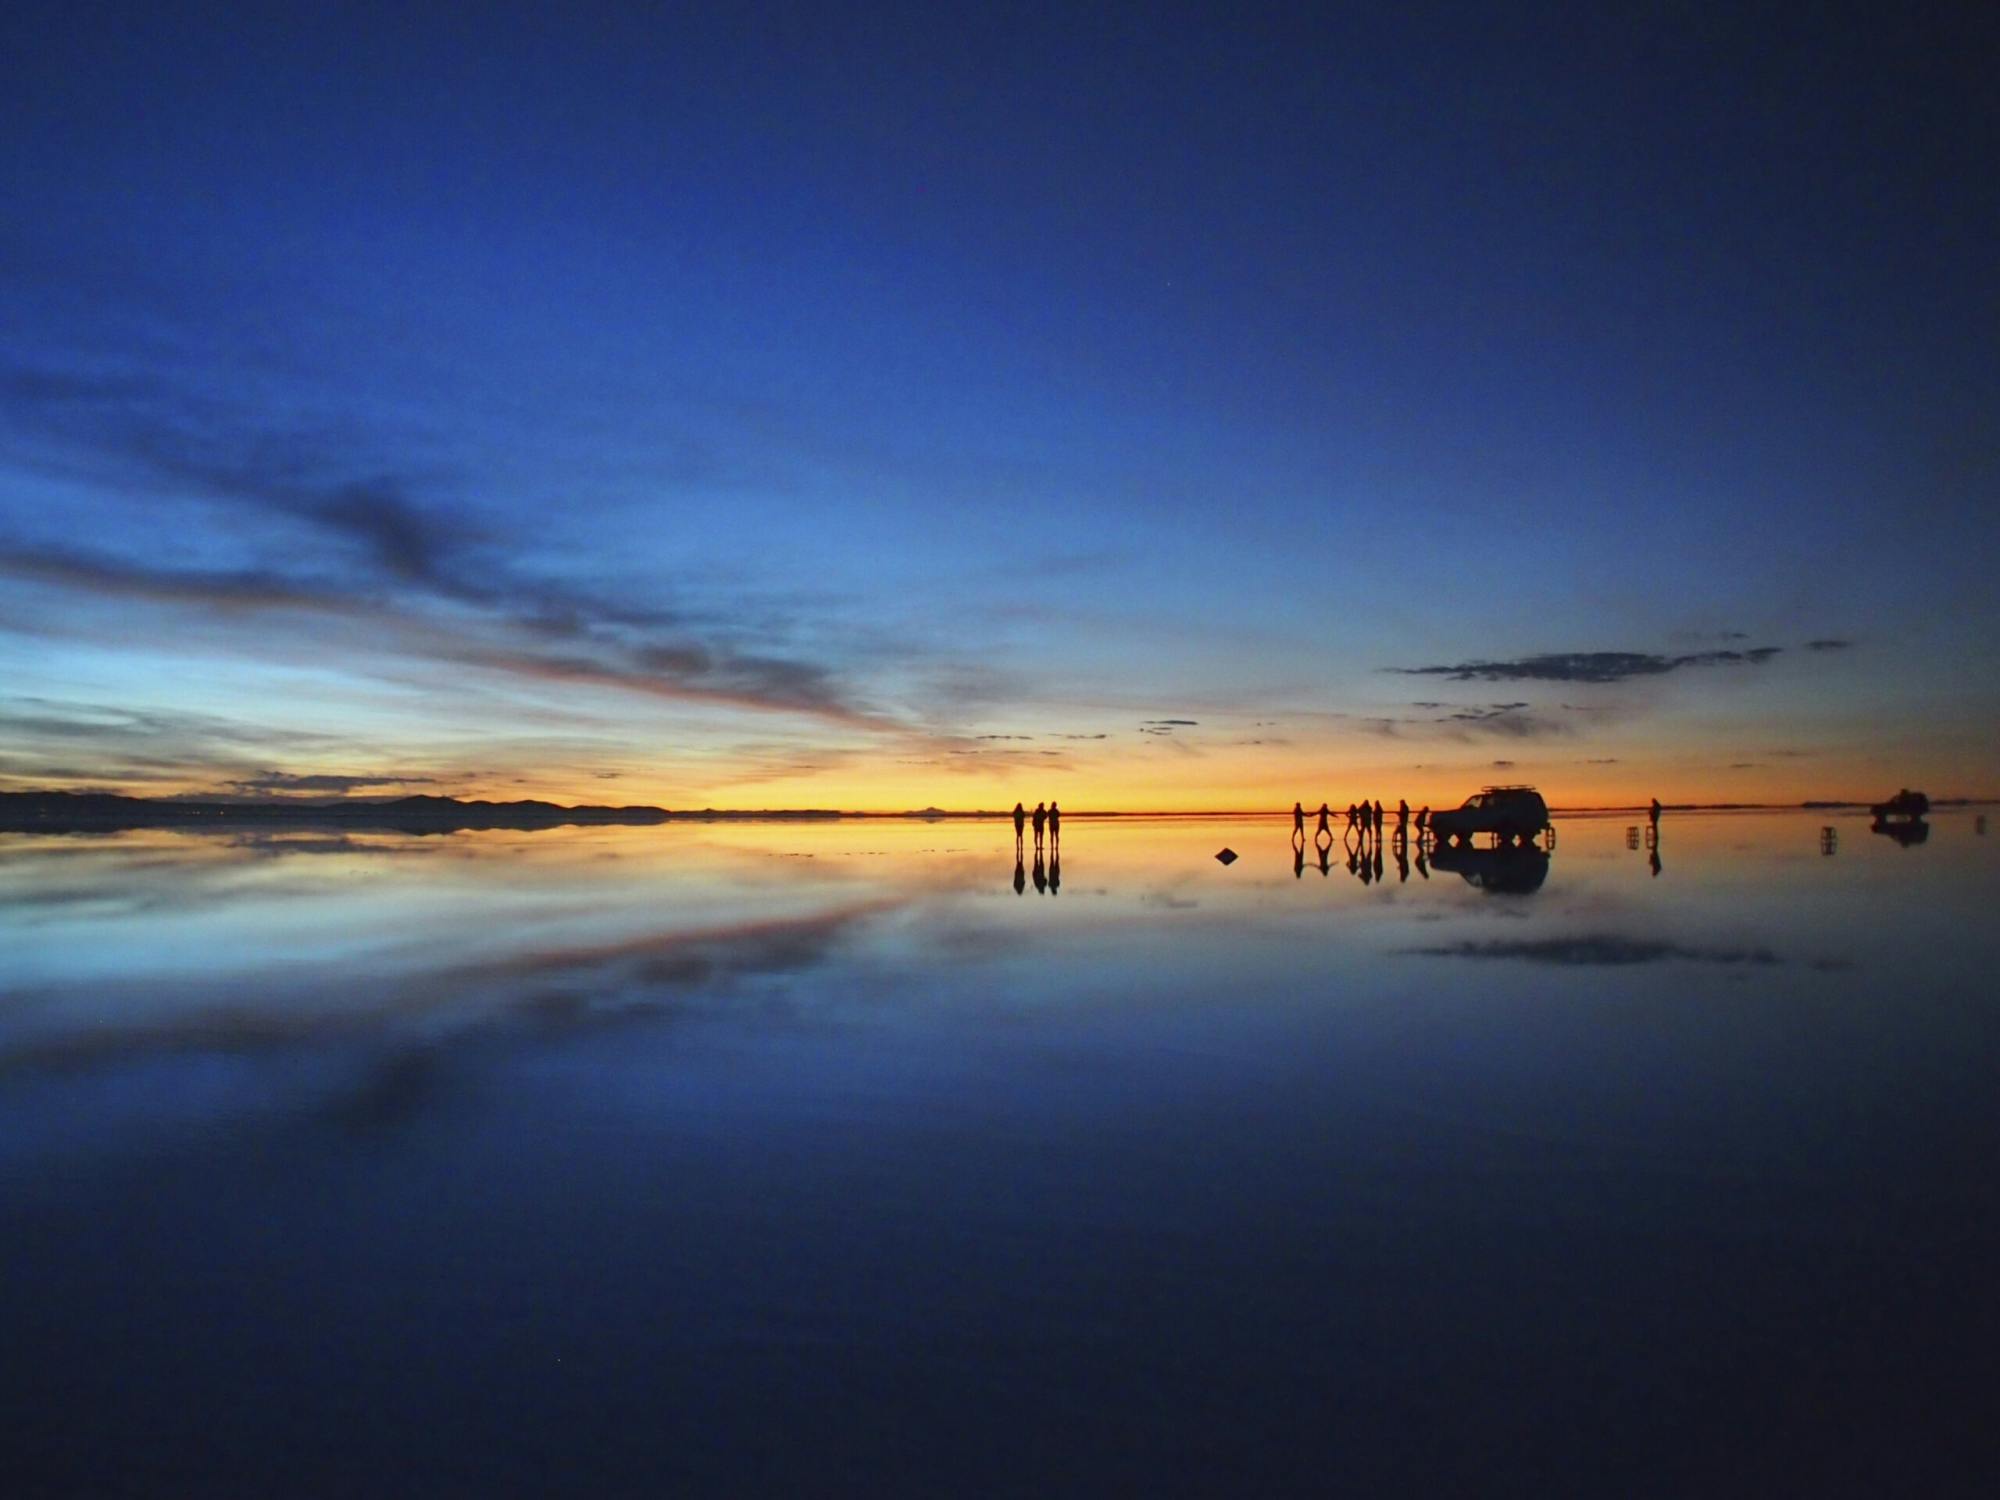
(1423, 868)
(1353, 861)
(1403, 862)
(1326, 858)
(1041, 873)
(1055, 873)
(1298, 858)
(1653, 859)
(1020, 874)
(1378, 861)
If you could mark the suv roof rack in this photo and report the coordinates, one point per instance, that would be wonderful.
(1515, 788)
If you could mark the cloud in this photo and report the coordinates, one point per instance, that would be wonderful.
(285, 782)
(1588, 666)
(1467, 724)
(1502, 765)
(1596, 951)
(676, 672)
(1830, 643)
(384, 546)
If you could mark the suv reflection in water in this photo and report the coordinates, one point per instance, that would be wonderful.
(1509, 870)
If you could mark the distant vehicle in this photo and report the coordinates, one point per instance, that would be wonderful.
(1512, 812)
(1905, 804)
(1511, 870)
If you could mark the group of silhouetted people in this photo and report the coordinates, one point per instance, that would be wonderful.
(1364, 819)
(1047, 818)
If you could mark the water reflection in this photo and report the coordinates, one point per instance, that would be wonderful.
(1507, 870)
(1904, 831)
(824, 1129)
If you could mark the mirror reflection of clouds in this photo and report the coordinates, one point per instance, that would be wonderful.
(165, 944)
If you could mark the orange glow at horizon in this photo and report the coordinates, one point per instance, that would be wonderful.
(1182, 781)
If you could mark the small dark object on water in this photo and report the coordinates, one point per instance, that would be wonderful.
(1227, 857)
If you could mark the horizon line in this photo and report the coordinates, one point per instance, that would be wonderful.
(330, 804)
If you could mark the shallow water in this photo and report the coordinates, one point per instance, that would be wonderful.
(802, 1158)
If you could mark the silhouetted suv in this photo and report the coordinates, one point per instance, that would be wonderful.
(1513, 812)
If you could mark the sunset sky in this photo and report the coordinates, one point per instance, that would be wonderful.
(768, 407)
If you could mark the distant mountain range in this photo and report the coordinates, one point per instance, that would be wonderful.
(55, 812)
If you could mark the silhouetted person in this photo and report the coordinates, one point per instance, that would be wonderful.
(1020, 821)
(1055, 825)
(1423, 817)
(1055, 874)
(1041, 822)
(1655, 813)
(1378, 817)
(1041, 873)
(1402, 815)
(1020, 875)
(1299, 821)
(1324, 813)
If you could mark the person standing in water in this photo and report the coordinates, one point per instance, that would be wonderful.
(1055, 823)
(1041, 821)
(1324, 813)
(1655, 813)
(1020, 822)
(1299, 821)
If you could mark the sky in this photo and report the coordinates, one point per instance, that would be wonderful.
(877, 408)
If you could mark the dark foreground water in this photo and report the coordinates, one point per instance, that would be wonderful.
(797, 1160)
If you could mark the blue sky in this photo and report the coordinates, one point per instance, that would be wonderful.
(777, 405)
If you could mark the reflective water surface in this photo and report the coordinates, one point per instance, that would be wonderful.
(841, 1157)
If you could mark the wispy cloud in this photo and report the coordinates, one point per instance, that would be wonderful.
(1596, 951)
(1468, 724)
(342, 537)
(1588, 666)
